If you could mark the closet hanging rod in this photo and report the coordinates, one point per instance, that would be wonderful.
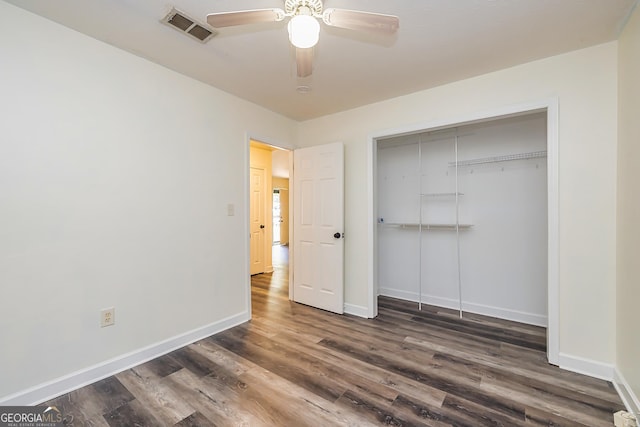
(505, 158)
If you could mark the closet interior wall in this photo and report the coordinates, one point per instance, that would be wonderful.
(462, 218)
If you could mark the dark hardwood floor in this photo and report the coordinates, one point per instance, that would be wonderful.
(293, 365)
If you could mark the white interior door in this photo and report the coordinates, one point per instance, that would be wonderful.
(318, 215)
(257, 220)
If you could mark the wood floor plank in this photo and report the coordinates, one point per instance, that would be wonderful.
(276, 388)
(456, 412)
(220, 405)
(445, 381)
(163, 366)
(296, 365)
(449, 337)
(540, 417)
(353, 374)
(493, 333)
(406, 307)
(344, 375)
(297, 405)
(480, 415)
(155, 396)
(222, 357)
(193, 361)
(292, 369)
(132, 413)
(573, 411)
(112, 393)
(361, 404)
(524, 335)
(82, 407)
(389, 380)
(195, 420)
(490, 363)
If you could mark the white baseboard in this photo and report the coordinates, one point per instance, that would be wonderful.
(356, 310)
(396, 293)
(51, 389)
(592, 368)
(486, 310)
(629, 398)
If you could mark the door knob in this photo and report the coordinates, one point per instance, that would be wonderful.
(337, 235)
(261, 225)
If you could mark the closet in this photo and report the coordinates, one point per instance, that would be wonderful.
(462, 218)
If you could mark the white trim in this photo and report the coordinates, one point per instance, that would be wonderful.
(398, 293)
(291, 219)
(580, 365)
(507, 314)
(551, 107)
(356, 310)
(469, 307)
(372, 279)
(630, 400)
(553, 236)
(59, 386)
(247, 222)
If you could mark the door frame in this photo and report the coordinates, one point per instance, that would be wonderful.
(250, 136)
(550, 106)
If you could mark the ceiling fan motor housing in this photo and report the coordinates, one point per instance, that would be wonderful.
(291, 7)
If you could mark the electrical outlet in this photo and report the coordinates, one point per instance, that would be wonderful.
(231, 209)
(107, 317)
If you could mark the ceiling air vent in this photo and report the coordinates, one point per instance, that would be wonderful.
(189, 26)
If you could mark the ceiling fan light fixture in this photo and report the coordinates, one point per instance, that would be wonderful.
(304, 26)
(304, 31)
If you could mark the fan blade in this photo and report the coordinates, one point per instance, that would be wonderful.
(243, 17)
(304, 61)
(365, 21)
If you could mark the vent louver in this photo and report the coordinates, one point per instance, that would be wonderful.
(189, 26)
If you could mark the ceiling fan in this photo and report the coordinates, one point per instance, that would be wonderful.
(304, 28)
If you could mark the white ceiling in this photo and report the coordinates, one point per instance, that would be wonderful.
(439, 41)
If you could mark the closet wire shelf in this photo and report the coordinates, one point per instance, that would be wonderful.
(505, 158)
(438, 226)
(441, 194)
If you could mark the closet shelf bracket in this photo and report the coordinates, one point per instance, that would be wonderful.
(496, 159)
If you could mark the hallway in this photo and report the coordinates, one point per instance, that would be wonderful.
(271, 288)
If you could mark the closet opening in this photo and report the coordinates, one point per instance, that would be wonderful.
(463, 219)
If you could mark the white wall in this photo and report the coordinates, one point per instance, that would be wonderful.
(115, 175)
(628, 291)
(585, 83)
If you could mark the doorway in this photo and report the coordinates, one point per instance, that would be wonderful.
(472, 187)
(269, 170)
(317, 221)
(549, 108)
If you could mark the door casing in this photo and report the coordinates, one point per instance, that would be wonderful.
(550, 106)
